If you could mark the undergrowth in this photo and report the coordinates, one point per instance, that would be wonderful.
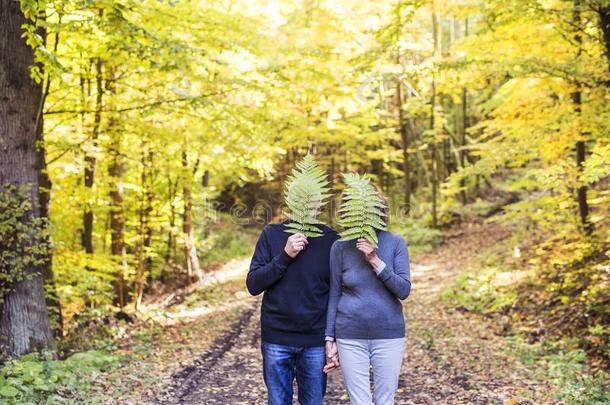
(39, 379)
(551, 303)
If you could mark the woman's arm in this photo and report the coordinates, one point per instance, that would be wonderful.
(335, 288)
(399, 280)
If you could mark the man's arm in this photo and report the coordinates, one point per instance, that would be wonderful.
(265, 269)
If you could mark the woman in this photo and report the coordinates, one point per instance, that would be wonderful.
(365, 314)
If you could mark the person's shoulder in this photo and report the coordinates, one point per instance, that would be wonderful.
(399, 239)
(274, 227)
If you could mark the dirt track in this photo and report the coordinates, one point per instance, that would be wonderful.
(451, 357)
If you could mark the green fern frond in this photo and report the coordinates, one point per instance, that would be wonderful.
(361, 210)
(306, 192)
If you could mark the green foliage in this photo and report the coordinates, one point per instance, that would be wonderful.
(362, 210)
(226, 241)
(84, 281)
(38, 379)
(564, 366)
(479, 293)
(421, 236)
(24, 243)
(306, 192)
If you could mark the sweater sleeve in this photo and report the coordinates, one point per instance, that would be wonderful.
(265, 269)
(335, 288)
(399, 280)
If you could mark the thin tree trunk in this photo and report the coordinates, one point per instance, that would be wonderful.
(436, 36)
(145, 230)
(463, 127)
(24, 320)
(44, 194)
(404, 137)
(171, 238)
(331, 178)
(116, 169)
(583, 206)
(90, 160)
(604, 24)
(190, 249)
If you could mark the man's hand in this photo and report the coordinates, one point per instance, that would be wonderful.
(295, 244)
(332, 357)
(370, 253)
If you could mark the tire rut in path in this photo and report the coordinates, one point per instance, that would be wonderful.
(212, 373)
(231, 371)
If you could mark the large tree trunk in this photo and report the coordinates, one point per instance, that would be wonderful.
(24, 321)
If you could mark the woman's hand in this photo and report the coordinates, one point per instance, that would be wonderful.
(332, 357)
(370, 254)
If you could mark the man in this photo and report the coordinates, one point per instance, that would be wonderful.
(293, 272)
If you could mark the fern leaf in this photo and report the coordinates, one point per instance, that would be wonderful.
(305, 194)
(361, 210)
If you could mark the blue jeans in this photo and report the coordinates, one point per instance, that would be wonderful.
(280, 366)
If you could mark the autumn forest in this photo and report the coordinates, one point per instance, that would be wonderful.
(144, 144)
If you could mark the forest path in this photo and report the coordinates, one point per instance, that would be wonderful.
(451, 357)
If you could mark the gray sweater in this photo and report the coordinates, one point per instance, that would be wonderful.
(363, 304)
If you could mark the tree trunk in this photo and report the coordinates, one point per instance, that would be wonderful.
(463, 127)
(190, 250)
(434, 168)
(331, 185)
(604, 25)
(90, 161)
(583, 206)
(171, 237)
(24, 320)
(44, 194)
(145, 229)
(404, 137)
(116, 169)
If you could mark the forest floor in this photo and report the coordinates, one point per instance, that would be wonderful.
(451, 357)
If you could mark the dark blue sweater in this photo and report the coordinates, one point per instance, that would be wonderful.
(293, 311)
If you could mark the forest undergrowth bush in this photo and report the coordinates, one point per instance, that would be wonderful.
(418, 233)
(41, 379)
(550, 293)
(563, 364)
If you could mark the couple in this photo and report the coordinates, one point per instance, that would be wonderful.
(328, 301)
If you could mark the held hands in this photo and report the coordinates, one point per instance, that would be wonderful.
(370, 253)
(332, 357)
(295, 244)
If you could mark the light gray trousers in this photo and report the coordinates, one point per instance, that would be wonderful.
(358, 355)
